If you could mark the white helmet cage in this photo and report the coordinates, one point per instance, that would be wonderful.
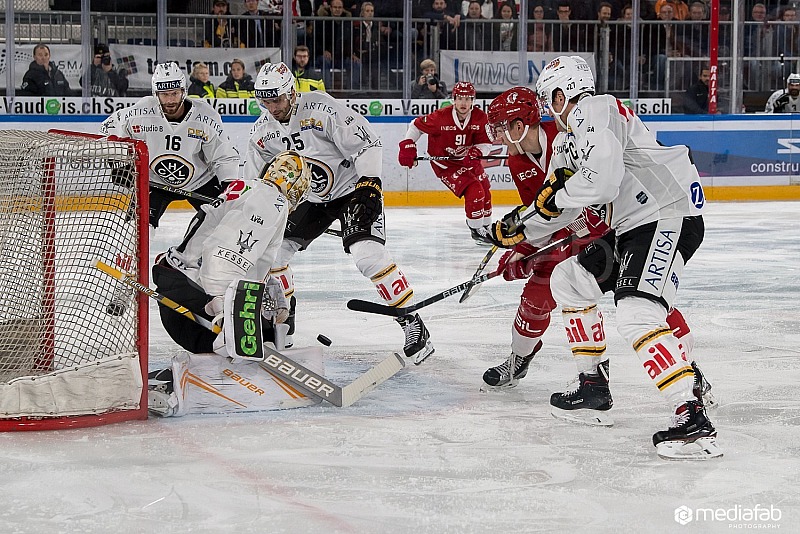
(166, 77)
(274, 80)
(571, 74)
(291, 174)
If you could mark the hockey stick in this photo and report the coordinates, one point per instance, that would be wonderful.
(213, 201)
(383, 309)
(485, 261)
(279, 364)
(456, 158)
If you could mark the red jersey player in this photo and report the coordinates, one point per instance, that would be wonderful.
(461, 132)
(515, 116)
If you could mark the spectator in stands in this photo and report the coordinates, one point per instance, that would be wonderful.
(565, 34)
(785, 100)
(505, 31)
(474, 33)
(105, 80)
(785, 39)
(540, 37)
(255, 31)
(428, 85)
(219, 32)
(487, 8)
(696, 96)
(199, 84)
(238, 84)
(371, 47)
(333, 39)
(604, 10)
(306, 79)
(660, 42)
(43, 77)
(620, 45)
(696, 35)
(680, 11)
(447, 23)
(755, 39)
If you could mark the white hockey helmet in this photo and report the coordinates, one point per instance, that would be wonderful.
(166, 77)
(571, 74)
(291, 174)
(793, 79)
(274, 80)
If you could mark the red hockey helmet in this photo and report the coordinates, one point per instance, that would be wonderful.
(464, 89)
(517, 103)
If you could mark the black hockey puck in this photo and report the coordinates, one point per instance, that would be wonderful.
(324, 340)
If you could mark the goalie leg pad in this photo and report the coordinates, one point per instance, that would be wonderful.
(242, 336)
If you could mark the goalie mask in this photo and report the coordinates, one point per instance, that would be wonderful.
(570, 74)
(168, 78)
(290, 173)
(274, 90)
(517, 103)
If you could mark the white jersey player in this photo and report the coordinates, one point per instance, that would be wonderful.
(187, 145)
(785, 100)
(655, 200)
(345, 156)
(237, 239)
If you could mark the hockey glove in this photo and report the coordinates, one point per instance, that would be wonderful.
(366, 205)
(408, 153)
(545, 202)
(122, 173)
(504, 237)
(513, 218)
(780, 103)
(514, 266)
(215, 308)
(275, 305)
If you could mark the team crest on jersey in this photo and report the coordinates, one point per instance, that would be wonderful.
(244, 242)
(310, 124)
(173, 169)
(321, 177)
(197, 133)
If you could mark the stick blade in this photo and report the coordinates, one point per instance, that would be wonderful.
(372, 379)
(371, 307)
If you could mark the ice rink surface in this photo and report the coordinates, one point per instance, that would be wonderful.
(426, 451)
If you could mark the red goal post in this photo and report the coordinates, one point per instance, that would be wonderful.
(67, 199)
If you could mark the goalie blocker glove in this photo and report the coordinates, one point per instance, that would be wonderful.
(545, 202)
(407, 157)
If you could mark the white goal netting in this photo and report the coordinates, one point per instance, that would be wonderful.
(65, 201)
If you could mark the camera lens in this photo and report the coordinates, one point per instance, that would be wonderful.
(106, 60)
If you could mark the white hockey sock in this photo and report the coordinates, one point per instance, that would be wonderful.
(586, 337)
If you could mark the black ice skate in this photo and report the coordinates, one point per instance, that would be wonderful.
(702, 388)
(417, 343)
(481, 236)
(587, 400)
(690, 435)
(499, 377)
(120, 300)
(160, 398)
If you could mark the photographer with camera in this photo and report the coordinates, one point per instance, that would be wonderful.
(428, 85)
(106, 81)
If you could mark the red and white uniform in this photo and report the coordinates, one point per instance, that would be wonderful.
(536, 301)
(464, 177)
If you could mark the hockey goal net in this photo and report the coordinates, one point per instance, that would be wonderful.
(67, 199)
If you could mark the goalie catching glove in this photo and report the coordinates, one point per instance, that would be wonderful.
(512, 264)
(545, 202)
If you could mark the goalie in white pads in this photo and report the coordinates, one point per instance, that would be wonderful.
(187, 146)
(215, 273)
(345, 156)
(655, 200)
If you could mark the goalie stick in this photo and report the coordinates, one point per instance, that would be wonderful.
(383, 309)
(214, 201)
(279, 364)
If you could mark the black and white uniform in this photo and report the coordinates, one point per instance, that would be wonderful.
(193, 154)
(655, 200)
(239, 238)
(341, 148)
(782, 102)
